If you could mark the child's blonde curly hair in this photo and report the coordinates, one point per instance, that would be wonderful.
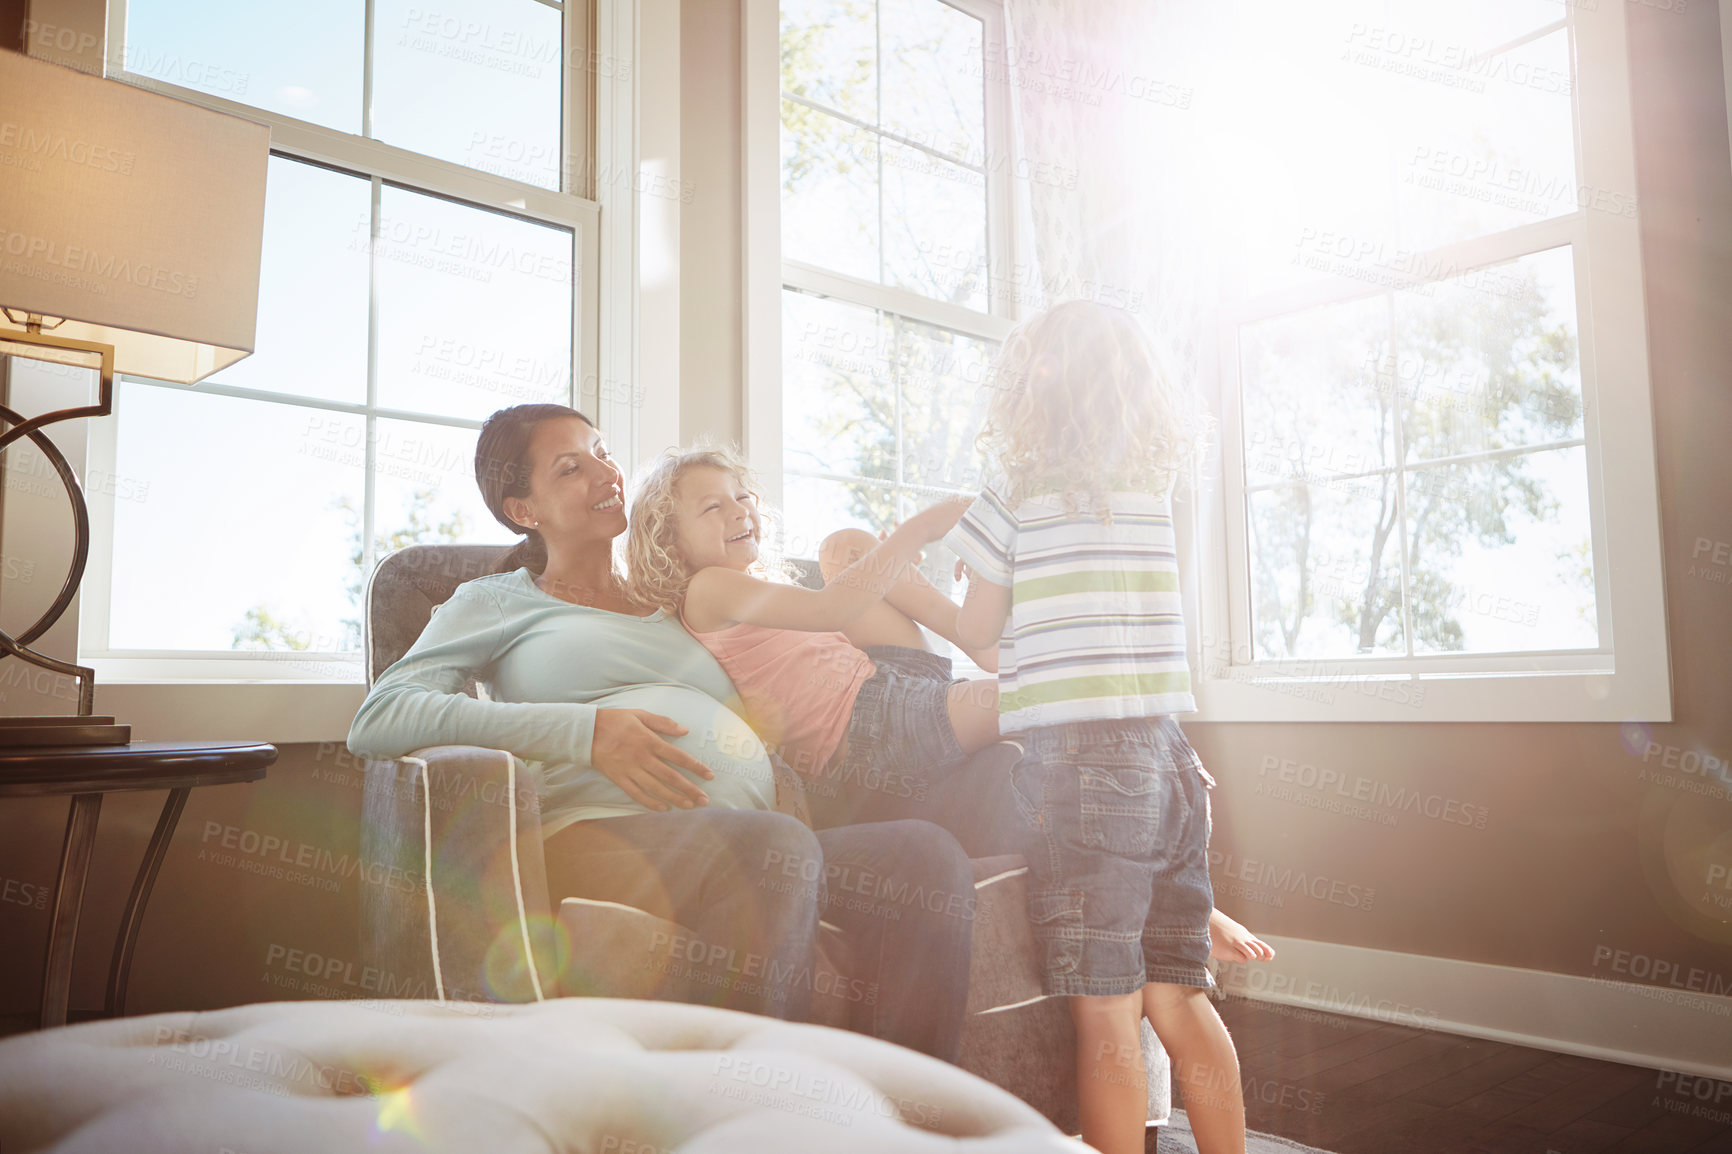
(1085, 403)
(657, 574)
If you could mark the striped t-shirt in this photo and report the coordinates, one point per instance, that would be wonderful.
(1096, 627)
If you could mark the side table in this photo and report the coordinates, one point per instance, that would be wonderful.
(87, 772)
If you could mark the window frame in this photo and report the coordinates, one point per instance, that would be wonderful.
(768, 272)
(380, 164)
(312, 696)
(1627, 677)
(1618, 426)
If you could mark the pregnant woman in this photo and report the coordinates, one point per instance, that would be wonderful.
(623, 714)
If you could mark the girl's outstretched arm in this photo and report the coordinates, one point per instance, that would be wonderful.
(718, 597)
(921, 601)
(913, 599)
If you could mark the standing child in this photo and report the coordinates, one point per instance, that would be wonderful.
(1073, 572)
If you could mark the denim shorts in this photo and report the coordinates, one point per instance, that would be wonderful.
(1116, 819)
(898, 737)
(901, 715)
(898, 734)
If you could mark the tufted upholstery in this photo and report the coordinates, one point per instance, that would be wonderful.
(493, 934)
(574, 1074)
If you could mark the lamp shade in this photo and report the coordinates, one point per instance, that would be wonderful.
(136, 217)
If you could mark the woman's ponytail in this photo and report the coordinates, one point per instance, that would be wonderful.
(502, 469)
(531, 551)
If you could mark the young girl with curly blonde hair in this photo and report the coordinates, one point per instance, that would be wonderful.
(836, 680)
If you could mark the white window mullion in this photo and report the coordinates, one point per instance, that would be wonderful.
(1526, 38)
(575, 107)
(761, 239)
(1229, 633)
(897, 138)
(370, 423)
(877, 139)
(1592, 433)
(90, 609)
(1588, 169)
(1615, 381)
(896, 370)
(586, 366)
(1398, 440)
(1432, 265)
(364, 157)
(616, 35)
(1440, 665)
(896, 301)
(114, 60)
(844, 478)
(367, 41)
(1003, 253)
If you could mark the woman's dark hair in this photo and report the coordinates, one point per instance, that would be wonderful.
(502, 469)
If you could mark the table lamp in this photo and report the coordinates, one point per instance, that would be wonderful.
(131, 226)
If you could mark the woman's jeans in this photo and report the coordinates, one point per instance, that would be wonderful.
(972, 800)
(751, 887)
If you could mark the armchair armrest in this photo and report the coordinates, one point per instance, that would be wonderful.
(463, 824)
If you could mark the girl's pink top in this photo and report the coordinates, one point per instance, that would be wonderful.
(797, 688)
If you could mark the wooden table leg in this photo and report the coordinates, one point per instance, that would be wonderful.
(68, 900)
(133, 916)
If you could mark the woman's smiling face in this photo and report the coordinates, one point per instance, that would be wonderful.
(715, 520)
(576, 492)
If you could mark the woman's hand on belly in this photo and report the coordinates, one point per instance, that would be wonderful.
(629, 751)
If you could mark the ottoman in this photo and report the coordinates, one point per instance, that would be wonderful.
(601, 1075)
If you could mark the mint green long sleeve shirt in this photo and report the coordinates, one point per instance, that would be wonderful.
(548, 666)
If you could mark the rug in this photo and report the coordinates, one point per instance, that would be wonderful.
(1175, 1138)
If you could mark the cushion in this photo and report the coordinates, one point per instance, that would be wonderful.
(596, 1074)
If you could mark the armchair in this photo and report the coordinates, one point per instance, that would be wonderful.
(475, 922)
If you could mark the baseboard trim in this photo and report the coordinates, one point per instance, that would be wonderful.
(1654, 1026)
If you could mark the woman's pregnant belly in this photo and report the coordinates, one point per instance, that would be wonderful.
(715, 735)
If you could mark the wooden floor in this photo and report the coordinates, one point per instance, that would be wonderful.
(1354, 1086)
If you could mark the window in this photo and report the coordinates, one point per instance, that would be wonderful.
(477, 84)
(893, 243)
(1431, 371)
(424, 264)
(1435, 492)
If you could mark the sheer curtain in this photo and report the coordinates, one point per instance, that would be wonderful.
(1112, 157)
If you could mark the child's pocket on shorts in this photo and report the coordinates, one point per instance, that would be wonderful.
(1057, 922)
(1121, 808)
(1025, 789)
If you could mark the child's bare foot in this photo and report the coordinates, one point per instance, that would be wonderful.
(1231, 942)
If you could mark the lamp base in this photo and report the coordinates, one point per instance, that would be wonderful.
(62, 730)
